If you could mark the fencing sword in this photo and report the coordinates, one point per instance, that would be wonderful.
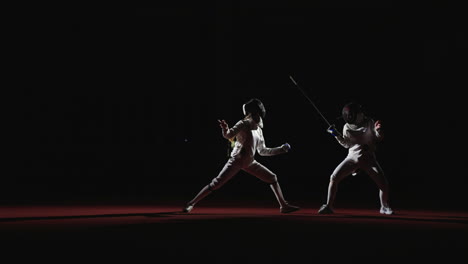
(354, 173)
(306, 96)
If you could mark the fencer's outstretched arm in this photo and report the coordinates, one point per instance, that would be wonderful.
(263, 150)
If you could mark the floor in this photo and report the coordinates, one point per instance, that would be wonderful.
(230, 233)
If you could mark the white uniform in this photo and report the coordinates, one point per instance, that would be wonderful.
(249, 141)
(361, 144)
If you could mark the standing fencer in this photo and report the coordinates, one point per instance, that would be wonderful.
(249, 139)
(360, 136)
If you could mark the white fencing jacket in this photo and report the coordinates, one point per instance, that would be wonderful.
(360, 140)
(249, 140)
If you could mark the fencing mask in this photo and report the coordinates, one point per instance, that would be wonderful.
(254, 106)
(353, 113)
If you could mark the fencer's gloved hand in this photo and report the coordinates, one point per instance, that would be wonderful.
(332, 130)
(286, 147)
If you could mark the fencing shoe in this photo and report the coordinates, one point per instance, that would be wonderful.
(386, 210)
(287, 208)
(325, 209)
(188, 208)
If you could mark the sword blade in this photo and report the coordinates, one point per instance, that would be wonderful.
(306, 96)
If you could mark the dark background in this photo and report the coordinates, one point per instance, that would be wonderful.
(121, 105)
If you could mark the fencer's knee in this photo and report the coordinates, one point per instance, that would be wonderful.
(272, 179)
(213, 186)
(337, 177)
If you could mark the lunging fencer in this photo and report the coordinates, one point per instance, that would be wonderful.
(248, 137)
(360, 136)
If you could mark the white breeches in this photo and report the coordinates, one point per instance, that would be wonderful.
(368, 165)
(233, 166)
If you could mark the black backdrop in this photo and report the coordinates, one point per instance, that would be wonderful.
(122, 104)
